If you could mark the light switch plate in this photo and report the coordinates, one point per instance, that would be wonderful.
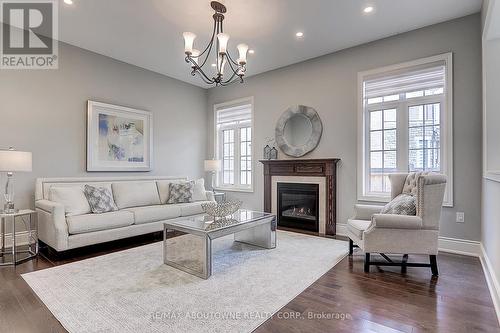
(460, 217)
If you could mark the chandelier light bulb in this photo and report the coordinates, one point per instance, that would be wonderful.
(188, 42)
(194, 55)
(223, 39)
(242, 49)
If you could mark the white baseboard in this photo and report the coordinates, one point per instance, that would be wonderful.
(446, 244)
(459, 246)
(21, 239)
(492, 280)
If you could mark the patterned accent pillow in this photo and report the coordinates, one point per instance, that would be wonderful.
(100, 199)
(403, 204)
(180, 192)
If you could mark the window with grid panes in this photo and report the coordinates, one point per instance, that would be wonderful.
(234, 144)
(404, 125)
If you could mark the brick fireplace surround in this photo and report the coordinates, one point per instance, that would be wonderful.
(326, 168)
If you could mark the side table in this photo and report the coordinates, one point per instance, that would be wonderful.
(16, 254)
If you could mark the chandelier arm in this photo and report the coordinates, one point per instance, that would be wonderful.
(209, 47)
(225, 84)
(231, 59)
(204, 76)
(231, 66)
(228, 80)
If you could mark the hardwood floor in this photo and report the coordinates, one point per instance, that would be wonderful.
(345, 299)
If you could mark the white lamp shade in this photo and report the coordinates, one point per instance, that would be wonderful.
(194, 56)
(188, 42)
(223, 39)
(15, 161)
(242, 49)
(212, 165)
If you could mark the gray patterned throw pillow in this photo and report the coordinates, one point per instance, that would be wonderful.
(180, 192)
(403, 204)
(100, 199)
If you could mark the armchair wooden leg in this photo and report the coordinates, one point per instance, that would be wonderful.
(367, 262)
(434, 266)
(351, 247)
(404, 263)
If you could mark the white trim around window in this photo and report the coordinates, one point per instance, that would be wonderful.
(445, 124)
(218, 146)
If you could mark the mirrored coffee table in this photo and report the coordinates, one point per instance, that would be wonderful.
(187, 243)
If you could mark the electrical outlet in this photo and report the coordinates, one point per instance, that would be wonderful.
(460, 217)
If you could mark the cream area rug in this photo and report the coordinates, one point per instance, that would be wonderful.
(133, 291)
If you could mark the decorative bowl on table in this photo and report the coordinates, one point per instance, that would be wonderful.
(221, 209)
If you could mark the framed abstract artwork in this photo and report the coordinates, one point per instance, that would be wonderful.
(118, 138)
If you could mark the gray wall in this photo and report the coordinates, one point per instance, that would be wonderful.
(329, 84)
(44, 112)
(490, 235)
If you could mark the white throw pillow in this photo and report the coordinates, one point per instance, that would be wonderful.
(199, 192)
(73, 199)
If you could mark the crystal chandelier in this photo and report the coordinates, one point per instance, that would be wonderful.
(218, 42)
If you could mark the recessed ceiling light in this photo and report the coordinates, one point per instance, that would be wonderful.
(251, 51)
(68, 2)
(299, 34)
(213, 65)
(368, 9)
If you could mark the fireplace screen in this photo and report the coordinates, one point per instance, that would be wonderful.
(298, 206)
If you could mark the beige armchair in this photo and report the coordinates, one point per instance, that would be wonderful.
(401, 234)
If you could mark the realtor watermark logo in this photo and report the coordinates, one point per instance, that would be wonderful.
(29, 34)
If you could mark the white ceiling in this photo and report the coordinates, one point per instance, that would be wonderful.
(148, 33)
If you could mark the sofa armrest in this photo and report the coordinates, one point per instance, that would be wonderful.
(365, 212)
(210, 196)
(52, 226)
(393, 221)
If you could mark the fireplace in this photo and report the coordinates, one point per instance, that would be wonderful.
(298, 206)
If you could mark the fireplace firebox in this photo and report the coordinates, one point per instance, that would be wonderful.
(298, 206)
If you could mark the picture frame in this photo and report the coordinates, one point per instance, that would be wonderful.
(119, 138)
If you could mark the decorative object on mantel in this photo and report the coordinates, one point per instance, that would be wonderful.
(298, 130)
(273, 155)
(213, 166)
(198, 60)
(13, 161)
(267, 152)
(222, 209)
(118, 138)
(326, 168)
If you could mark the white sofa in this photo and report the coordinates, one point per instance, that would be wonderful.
(142, 209)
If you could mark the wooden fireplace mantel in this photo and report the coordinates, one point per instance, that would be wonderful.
(326, 167)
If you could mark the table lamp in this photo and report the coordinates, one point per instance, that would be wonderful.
(212, 166)
(13, 161)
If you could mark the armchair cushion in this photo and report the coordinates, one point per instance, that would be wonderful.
(403, 204)
(391, 221)
(411, 183)
(357, 227)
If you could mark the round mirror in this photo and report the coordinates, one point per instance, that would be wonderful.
(298, 130)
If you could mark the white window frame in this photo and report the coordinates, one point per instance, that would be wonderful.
(446, 125)
(237, 156)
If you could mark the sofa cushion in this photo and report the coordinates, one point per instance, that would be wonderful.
(94, 222)
(403, 204)
(135, 194)
(180, 193)
(100, 199)
(191, 208)
(155, 213)
(199, 191)
(72, 198)
(357, 227)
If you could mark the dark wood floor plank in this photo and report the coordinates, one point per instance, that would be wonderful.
(345, 299)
